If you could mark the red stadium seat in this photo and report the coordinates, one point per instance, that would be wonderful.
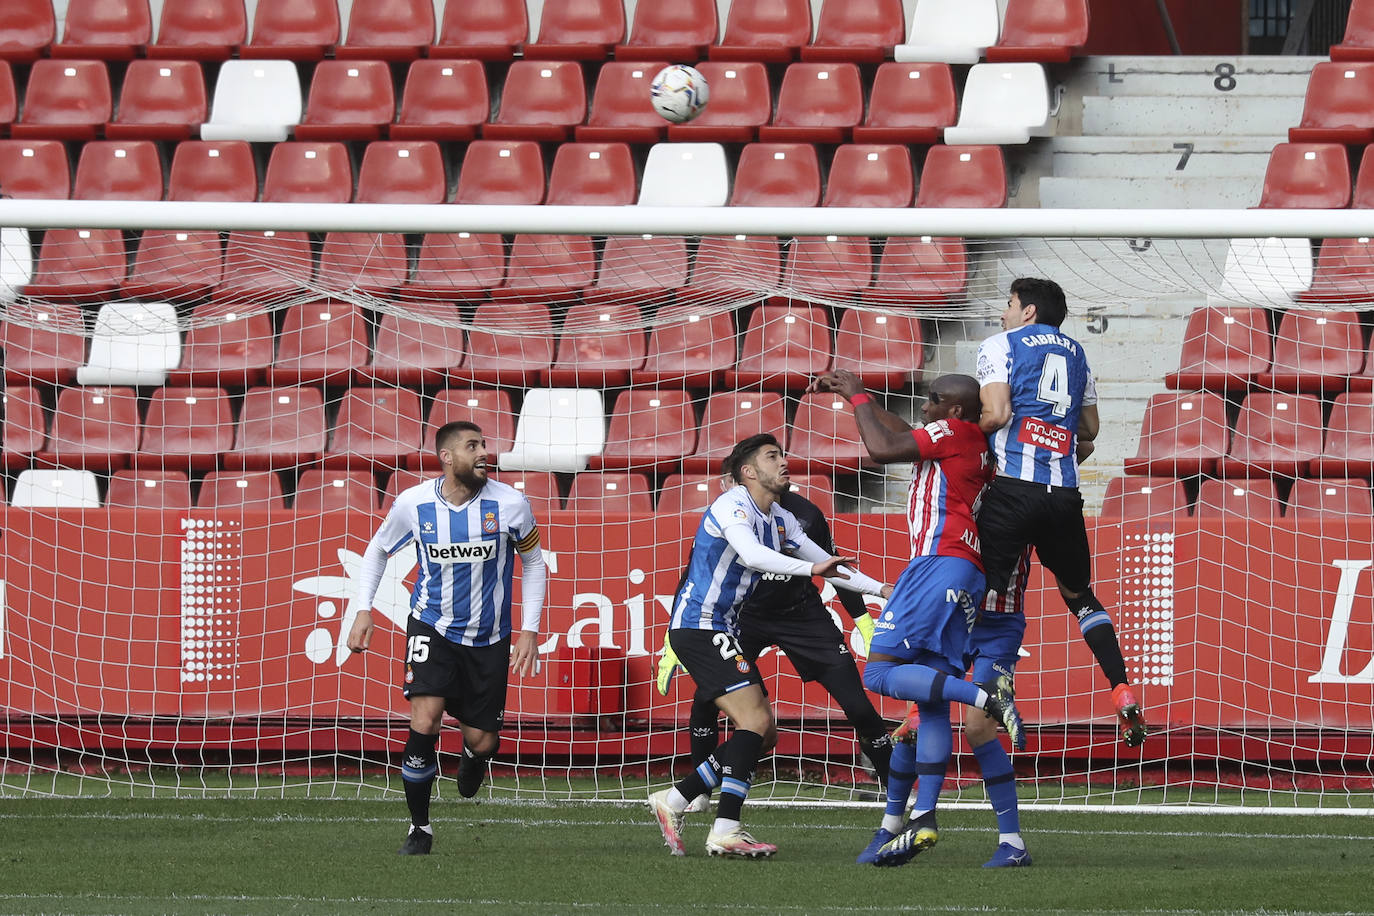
(1224, 348)
(118, 170)
(621, 110)
(27, 30)
(265, 267)
(539, 487)
(1047, 31)
(547, 268)
(818, 488)
(741, 103)
(244, 491)
(43, 342)
(963, 176)
(388, 30)
(320, 342)
(688, 494)
(651, 430)
(692, 349)
(541, 100)
(489, 408)
(279, 428)
(214, 171)
(1315, 351)
(600, 346)
(482, 29)
(79, 265)
(876, 175)
(65, 100)
(818, 103)
(160, 100)
(418, 346)
(321, 491)
(9, 97)
(402, 480)
(1349, 447)
(1307, 175)
(785, 347)
(1337, 109)
(920, 270)
(599, 493)
(882, 348)
(154, 490)
(730, 416)
(186, 429)
(777, 175)
(1181, 435)
(105, 29)
(300, 30)
(1138, 499)
(1343, 273)
(225, 348)
(1334, 497)
(371, 262)
(859, 32)
(639, 271)
(1276, 434)
(176, 265)
(501, 172)
(578, 30)
(376, 426)
(825, 437)
(910, 103)
(35, 169)
(511, 343)
(1358, 43)
(443, 100)
(764, 30)
(394, 172)
(592, 174)
(671, 31)
(1241, 499)
(827, 268)
(200, 30)
(308, 173)
(25, 429)
(348, 100)
(93, 428)
(732, 268)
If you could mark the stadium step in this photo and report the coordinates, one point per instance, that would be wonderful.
(1159, 157)
(1237, 192)
(1186, 117)
(1257, 76)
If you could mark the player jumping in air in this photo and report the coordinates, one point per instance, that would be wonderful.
(741, 536)
(466, 530)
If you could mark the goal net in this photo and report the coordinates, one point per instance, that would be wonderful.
(208, 408)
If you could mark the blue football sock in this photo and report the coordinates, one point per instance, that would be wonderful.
(934, 745)
(1000, 781)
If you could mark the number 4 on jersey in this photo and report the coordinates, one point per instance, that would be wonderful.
(1054, 384)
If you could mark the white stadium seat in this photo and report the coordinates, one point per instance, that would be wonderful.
(256, 100)
(685, 175)
(558, 430)
(134, 343)
(16, 262)
(1265, 272)
(950, 32)
(56, 489)
(1002, 104)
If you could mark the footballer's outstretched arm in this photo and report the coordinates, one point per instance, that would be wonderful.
(758, 556)
(886, 436)
(848, 578)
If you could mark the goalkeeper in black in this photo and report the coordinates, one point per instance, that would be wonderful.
(787, 612)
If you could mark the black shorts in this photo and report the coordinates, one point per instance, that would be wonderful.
(471, 679)
(715, 661)
(808, 635)
(1016, 514)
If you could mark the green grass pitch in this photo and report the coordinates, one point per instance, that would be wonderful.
(303, 855)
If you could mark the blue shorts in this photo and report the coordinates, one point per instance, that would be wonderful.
(994, 645)
(932, 606)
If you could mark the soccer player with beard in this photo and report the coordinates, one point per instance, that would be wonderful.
(466, 530)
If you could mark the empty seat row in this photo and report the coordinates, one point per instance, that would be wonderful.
(538, 100)
(383, 427)
(134, 343)
(1165, 499)
(1283, 435)
(1231, 348)
(768, 30)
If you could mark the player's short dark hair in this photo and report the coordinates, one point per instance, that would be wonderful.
(744, 452)
(1045, 295)
(449, 430)
(962, 390)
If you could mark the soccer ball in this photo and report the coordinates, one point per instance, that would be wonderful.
(679, 93)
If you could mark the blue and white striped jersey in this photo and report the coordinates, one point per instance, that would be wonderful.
(466, 556)
(717, 583)
(1050, 383)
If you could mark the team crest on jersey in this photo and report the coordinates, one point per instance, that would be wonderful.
(410, 675)
(782, 531)
(489, 523)
(741, 664)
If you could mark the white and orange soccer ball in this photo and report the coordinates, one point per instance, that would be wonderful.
(679, 93)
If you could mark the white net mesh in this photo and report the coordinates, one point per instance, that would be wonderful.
(202, 429)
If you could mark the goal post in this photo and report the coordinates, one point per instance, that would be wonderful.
(208, 407)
